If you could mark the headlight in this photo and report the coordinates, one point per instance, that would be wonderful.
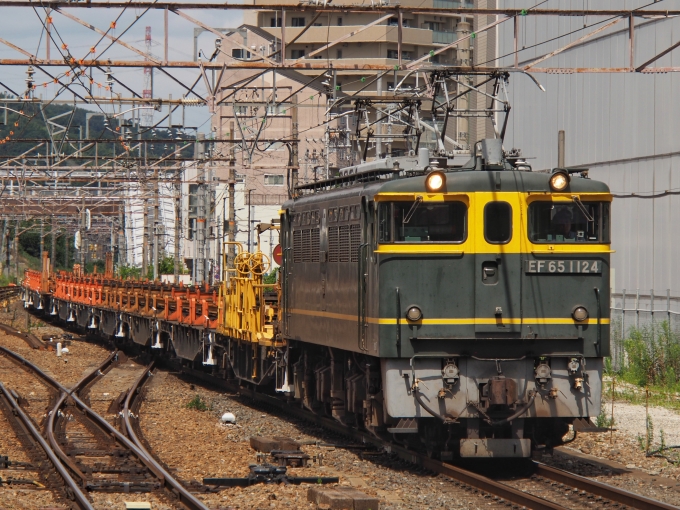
(414, 314)
(559, 180)
(579, 314)
(435, 181)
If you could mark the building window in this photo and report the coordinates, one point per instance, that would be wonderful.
(338, 54)
(273, 180)
(298, 22)
(297, 53)
(240, 53)
(394, 22)
(275, 22)
(240, 110)
(339, 22)
(405, 55)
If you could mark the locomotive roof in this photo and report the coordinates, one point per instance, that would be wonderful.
(456, 181)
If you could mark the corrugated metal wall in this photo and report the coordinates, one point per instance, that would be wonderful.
(624, 127)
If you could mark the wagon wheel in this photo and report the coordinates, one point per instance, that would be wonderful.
(242, 262)
(259, 263)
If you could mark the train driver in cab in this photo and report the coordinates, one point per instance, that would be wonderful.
(562, 224)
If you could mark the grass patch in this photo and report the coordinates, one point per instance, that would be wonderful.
(199, 404)
(652, 357)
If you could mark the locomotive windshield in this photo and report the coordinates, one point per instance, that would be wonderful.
(418, 222)
(569, 222)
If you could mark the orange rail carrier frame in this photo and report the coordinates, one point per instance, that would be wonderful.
(153, 313)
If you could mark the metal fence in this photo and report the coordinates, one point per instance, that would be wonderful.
(642, 312)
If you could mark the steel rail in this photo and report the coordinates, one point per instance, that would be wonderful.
(78, 495)
(185, 497)
(134, 390)
(478, 481)
(609, 492)
(52, 419)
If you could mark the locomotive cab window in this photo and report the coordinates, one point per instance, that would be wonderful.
(569, 222)
(498, 222)
(422, 222)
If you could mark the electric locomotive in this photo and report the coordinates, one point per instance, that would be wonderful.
(461, 308)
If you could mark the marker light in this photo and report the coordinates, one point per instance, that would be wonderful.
(435, 181)
(559, 180)
(414, 314)
(579, 314)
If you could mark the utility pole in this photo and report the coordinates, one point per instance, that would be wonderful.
(209, 222)
(145, 242)
(16, 251)
(295, 165)
(232, 196)
(42, 237)
(7, 264)
(53, 250)
(250, 226)
(178, 220)
(4, 241)
(82, 238)
(199, 252)
(156, 199)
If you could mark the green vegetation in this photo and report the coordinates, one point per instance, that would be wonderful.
(126, 272)
(29, 125)
(29, 244)
(199, 404)
(101, 266)
(651, 359)
(604, 420)
(270, 279)
(166, 265)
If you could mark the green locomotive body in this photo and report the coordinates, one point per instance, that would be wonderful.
(470, 315)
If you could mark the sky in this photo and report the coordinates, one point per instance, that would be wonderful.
(23, 28)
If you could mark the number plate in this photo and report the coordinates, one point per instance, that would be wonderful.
(563, 266)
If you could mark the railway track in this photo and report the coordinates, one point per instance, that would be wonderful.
(96, 456)
(570, 490)
(582, 492)
(9, 291)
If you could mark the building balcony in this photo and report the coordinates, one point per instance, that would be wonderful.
(441, 37)
(320, 36)
(452, 4)
(437, 4)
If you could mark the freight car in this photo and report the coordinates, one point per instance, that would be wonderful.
(460, 307)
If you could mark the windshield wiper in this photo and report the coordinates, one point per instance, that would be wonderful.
(412, 210)
(583, 209)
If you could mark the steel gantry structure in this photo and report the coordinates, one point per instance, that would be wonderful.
(125, 168)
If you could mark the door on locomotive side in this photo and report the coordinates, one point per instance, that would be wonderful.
(497, 270)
